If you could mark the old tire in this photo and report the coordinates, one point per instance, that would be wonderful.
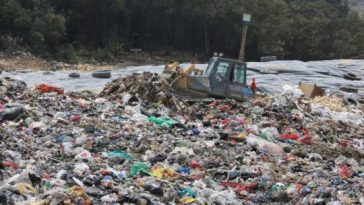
(48, 73)
(360, 99)
(74, 75)
(349, 89)
(350, 101)
(351, 76)
(268, 58)
(269, 72)
(102, 74)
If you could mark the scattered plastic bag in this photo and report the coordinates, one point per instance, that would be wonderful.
(306, 137)
(161, 172)
(11, 112)
(81, 169)
(44, 88)
(24, 188)
(186, 192)
(139, 168)
(344, 171)
(42, 202)
(291, 91)
(163, 121)
(264, 145)
(187, 200)
(289, 136)
(2, 106)
(10, 164)
(79, 192)
(84, 155)
(121, 154)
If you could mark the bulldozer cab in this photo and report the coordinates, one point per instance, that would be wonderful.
(223, 77)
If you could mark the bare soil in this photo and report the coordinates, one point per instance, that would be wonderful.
(23, 61)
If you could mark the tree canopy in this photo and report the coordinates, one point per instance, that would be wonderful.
(289, 29)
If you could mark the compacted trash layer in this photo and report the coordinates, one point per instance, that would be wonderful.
(138, 143)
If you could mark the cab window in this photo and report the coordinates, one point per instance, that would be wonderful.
(238, 75)
(220, 72)
(210, 66)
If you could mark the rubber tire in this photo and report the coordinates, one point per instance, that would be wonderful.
(351, 76)
(360, 99)
(268, 58)
(350, 101)
(48, 73)
(349, 89)
(269, 72)
(102, 74)
(74, 75)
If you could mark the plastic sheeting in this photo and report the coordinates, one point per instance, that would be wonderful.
(327, 74)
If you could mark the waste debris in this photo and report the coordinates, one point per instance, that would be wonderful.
(43, 88)
(143, 88)
(310, 90)
(138, 143)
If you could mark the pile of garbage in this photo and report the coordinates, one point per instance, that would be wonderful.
(129, 146)
(11, 89)
(143, 88)
(146, 86)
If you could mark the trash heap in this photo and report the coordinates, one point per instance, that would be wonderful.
(11, 89)
(146, 86)
(129, 146)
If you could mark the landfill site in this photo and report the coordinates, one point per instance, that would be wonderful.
(297, 137)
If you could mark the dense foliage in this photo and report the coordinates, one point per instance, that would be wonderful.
(289, 29)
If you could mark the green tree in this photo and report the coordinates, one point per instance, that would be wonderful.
(289, 29)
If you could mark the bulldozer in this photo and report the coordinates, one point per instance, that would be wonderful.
(223, 78)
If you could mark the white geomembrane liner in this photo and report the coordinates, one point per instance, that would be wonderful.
(327, 74)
